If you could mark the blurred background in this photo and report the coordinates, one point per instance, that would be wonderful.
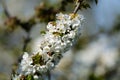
(95, 56)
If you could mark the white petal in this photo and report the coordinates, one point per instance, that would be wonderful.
(25, 55)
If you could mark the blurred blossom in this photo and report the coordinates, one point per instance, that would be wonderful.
(5, 63)
(24, 9)
(102, 47)
(101, 52)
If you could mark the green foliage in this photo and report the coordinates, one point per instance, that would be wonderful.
(44, 13)
(116, 27)
(84, 5)
(64, 3)
(29, 77)
(42, 32)
(94, 77)
(37, 59)
(58, 34)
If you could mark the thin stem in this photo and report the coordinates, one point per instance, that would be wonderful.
(77, 8)
(79, 2)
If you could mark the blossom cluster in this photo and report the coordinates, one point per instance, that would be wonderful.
(59, 37)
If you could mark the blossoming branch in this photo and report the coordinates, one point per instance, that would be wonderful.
(60, 36)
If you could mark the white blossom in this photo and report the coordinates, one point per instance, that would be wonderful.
(15, 77)
(36, 77)
(26, 64)
(59, 37)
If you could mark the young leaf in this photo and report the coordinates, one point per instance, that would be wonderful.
(42, 32)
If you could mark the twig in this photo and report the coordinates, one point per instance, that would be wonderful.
(79, 2)
(77, 8)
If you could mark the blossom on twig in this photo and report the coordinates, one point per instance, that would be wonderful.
(60, 36)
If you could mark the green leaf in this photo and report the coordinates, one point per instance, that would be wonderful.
(29, 77)
(85, 5)
(58, 33)
(42, 32)
(37, 59)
